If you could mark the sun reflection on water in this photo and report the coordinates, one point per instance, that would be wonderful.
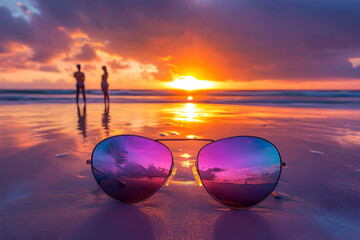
(189, 113)
(185, 155)
(186, 164)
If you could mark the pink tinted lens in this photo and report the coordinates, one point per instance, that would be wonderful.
(130, 168)
(239, 171)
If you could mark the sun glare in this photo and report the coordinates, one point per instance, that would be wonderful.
(190, 83)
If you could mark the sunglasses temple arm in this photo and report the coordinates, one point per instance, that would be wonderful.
(196, 176)
(172, 175)
(275, 194)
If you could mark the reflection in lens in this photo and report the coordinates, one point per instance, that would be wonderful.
(240, 171)
(130, 168)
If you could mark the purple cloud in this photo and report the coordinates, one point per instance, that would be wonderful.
(87, 54)
(135, 170)
(210, 173)
(116, 149)
(11, 28)
(264, 177)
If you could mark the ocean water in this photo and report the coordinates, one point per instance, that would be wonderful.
(290, 98)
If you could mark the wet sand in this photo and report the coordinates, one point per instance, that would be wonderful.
(48, 192)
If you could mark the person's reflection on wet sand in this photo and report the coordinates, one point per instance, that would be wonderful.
(106, 119)
(82, 121)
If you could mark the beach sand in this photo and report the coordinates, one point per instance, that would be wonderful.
(48, 192)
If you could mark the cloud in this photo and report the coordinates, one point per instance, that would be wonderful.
(116, 65)
(25, 9)
(42, 83)
(2, 49)
(15, 57)
(264, 177)
(87, 54)
(11, 28)
(135, 170)
(89, 67)
(115, 148)
(49, 68)
(41, 34)
(218, 40)
(210, 173)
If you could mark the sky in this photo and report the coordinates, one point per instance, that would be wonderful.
(133, 157)
(256, 161)
(247, 44)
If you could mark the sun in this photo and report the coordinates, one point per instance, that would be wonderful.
(190, 83)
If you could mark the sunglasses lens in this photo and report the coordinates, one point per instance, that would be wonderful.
(130, 168)
(240, 171)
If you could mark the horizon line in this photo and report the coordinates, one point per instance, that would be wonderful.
(183, 90)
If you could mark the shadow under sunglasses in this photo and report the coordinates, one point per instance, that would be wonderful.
(238, 172)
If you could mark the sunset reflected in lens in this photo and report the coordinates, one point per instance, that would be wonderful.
(130, 168)
(240, 171)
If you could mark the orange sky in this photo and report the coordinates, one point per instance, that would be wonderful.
(146, 48)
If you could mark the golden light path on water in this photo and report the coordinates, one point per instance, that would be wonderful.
(190, 113)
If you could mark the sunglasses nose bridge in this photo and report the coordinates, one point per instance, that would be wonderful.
(172, 175)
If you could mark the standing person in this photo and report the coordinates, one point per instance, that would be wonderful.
(105, 85)
(80, 79)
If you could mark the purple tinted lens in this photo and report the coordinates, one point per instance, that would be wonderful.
(240, 171)
(130, 168)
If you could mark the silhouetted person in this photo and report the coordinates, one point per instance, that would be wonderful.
(105, 85)
(80, 79)
(82, 121)
(106, 119)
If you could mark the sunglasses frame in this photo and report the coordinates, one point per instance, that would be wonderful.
(196, 164)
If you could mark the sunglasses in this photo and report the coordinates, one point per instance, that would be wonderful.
(238, 172)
